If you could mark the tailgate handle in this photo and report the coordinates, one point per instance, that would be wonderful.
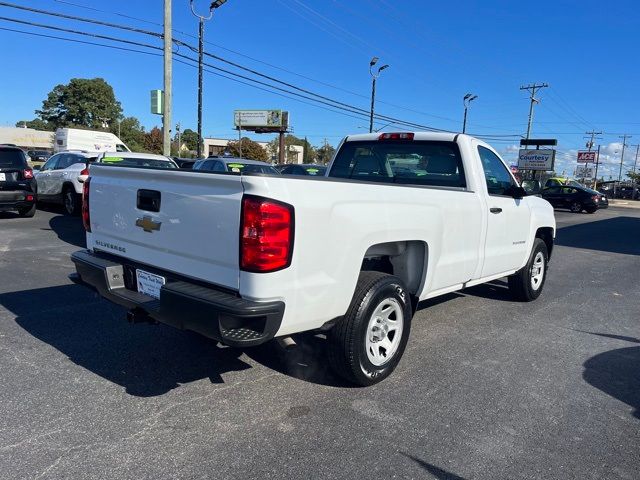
(149, 200)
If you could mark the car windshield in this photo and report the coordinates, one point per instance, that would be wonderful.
(11, 159)
(237, 167)
(138, 162)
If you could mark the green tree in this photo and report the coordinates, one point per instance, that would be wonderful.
(291, 155)
(131, 132)
(83, 102)
(190, 139)
(36, 123)
(635, 177)
(153, 140)
(250, 149)
(325, 153)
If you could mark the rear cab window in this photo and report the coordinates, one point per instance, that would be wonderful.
(12, 158)
(430, 163)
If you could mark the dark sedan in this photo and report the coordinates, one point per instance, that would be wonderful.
(574, 198)
(17, 183)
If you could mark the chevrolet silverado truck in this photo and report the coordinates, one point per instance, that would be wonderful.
(245, 258)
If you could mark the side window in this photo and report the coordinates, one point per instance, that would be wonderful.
(64, 162)
(51, 163)
(287, 170)
(197, 165)
(218, 166)
(121, 148)
(496, 174)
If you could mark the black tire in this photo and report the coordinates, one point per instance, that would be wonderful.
(576, 207)
(27, 212)
(347, 340)
(591, 210)
(70, 201)
(521, 284)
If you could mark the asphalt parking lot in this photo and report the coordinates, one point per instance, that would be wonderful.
(487, 389)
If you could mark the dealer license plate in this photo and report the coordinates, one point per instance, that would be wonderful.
(3, 177)
(149, 283)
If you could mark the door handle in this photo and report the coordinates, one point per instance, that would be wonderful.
(495, 210)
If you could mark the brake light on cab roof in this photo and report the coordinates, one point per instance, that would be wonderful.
(396, 136)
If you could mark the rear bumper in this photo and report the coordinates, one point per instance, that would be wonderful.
(214, 313)
(16, 199)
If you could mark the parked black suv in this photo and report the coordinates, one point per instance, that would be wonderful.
(17, 184)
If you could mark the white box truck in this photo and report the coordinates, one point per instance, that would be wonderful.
(87, 140)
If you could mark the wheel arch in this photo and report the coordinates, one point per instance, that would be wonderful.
(546, 234)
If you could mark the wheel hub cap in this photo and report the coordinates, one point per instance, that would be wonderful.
(384, 331)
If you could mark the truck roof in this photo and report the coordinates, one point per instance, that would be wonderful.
(434, 136)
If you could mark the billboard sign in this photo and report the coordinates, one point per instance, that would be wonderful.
(582, 171)
(541, 160)
(251, 119)
(586, 157)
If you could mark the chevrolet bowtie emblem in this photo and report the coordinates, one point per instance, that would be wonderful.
(147, 224)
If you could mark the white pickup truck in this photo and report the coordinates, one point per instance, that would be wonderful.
(399, 218)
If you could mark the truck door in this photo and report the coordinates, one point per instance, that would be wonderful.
(508, 219)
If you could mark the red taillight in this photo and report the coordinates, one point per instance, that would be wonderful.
(266, 234)
(85, 171)
(27, 174)
(86, 218)
(595, 198)
(396, 136)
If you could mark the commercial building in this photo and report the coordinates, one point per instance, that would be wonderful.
(218, 146)
(27, 138)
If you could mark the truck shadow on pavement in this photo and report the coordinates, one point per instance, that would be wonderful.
(69, 229)
(147, 360)
(615, 235)
(616, 372)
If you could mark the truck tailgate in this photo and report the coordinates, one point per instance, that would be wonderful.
(195, 230)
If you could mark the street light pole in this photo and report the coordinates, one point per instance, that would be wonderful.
(466, 101)
(374, 77)
(202, 19)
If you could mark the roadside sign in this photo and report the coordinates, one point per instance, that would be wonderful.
(249, 119)
(582, 171)
(586, 157)
(157, 99)
(541, 160)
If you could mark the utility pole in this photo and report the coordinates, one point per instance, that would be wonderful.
(166, 104)
(624, 144)
(532, 88)
(595, 181)
(589, 147)
(215, 4)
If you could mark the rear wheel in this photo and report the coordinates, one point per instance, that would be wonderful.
(526, 285)
(366, 345)
(27, 211)
(591, 210)
(70, 201)
(576, 207)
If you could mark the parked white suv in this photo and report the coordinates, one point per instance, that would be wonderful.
(59, 179)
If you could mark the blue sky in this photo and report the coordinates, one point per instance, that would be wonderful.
(438, 51)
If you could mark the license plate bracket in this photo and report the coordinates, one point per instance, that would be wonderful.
(149, 283)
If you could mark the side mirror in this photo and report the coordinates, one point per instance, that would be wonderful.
(518, 192)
